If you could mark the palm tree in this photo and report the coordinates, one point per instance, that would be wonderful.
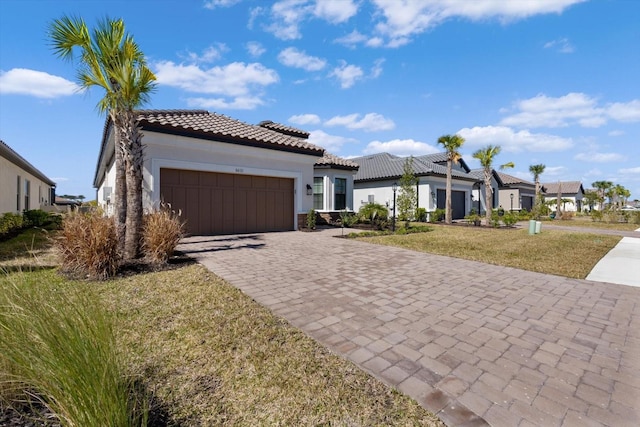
(451, 143)
(111, 60)
(603, 188)
(536, 171)
(486, 156)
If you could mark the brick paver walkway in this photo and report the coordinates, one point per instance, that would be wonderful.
(472, 342)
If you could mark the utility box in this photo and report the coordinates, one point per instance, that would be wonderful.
(538, 227)
(532, 226)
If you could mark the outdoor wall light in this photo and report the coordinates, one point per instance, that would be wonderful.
(309, 190)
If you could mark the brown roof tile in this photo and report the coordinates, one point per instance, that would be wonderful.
(287, 130)
(510, 179)
(567, 187)
(331, 160)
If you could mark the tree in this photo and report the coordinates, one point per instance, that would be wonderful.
(111, 60)
(486, 156)
(407, 198)
(603, 188)
(452, 144)
(558, 201)
(536, 171)
(621, 194)
(591, 198)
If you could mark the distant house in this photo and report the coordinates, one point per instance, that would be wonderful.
(378, 172)
(571, 193)
(227, 176)
(515, 193)
(22, 186)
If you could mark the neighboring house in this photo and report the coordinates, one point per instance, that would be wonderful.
(378, 173)
(223, 175)
(515, 193)
(478, 195)
(333, 186)
(22, 186)
(571, 193)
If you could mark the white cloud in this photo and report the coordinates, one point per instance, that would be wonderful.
(347, 74)
(234, 79)
(571, 109)
(560, 45)
(512, 141)
(305, 119)
(625, 112)
(404, 19)
(210, 54)
(287, 16)
(352, 39)
(255, 49)
(376, 70)
(335, 11)
(292, 57)
(371, 122)
(212, 4)
(595, 157)
(22, 81)
(633, 171)
(553, 171)
(401, 147)
(238, 103)
(616, 133)
(327, 141)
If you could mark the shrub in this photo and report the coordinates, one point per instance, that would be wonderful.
(437, 215)
(36, 217)
(567, 215)
(59, 347)
(10, 222)
(510, 218)
(373, 211)
(597, 215)
(421, 215)
(161, 232)
(311, 219)
(634, 217)
(88, 246)
(495, 218)
(347, 219)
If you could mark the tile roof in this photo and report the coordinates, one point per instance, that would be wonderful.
(510, 179)
(567, 187)
(434, 158)
(287, 130)
(330, 160)
(203, 124)
(15, 158)
(384, 166)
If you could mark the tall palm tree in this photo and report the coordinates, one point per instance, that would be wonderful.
(486, 156)
(603, 188)
(452, 144)
(536, 171)
(111, 60)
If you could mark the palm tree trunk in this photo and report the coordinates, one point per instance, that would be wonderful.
(487, 196)
(120, 193)
(134, 164)
(447, 215)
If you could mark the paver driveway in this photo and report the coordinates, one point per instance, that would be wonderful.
(472, 342)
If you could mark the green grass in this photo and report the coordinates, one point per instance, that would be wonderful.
(587, 222)
(563, 253)
(210, 355)
(31, 240)
(57, 346)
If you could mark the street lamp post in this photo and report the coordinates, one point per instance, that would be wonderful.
(394, 187)
(511, 202)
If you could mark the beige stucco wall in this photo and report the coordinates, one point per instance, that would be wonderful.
(40, 192)
(179, 152)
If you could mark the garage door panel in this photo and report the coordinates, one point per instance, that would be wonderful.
(219, 203)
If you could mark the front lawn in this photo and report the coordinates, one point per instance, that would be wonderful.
(210, 355)
(564, 253)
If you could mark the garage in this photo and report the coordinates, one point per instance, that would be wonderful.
(457, 203)
(223, 203)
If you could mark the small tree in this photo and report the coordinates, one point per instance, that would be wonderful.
(407, 198)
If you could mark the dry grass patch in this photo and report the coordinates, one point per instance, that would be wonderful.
(587, 222)
(564, 253)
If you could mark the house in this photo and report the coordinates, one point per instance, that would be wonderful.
(478, 195)
(22, 186)
(515, 193)
(571, 193)
(226, 176)
(333, 186)
(378, 172)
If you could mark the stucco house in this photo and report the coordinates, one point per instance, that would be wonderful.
(226, 176)
(571, 193)
(22, 186)
(378, 172)
(515, 193)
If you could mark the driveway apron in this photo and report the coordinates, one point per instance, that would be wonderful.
(474, 343)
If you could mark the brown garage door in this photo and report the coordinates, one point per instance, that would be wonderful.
(221, 203)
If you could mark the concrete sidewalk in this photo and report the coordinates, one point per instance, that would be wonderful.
(477, 344)
(621, 265)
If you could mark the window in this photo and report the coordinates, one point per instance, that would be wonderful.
(318, 193)
(340, 201)
(18, 195)
(27, 194)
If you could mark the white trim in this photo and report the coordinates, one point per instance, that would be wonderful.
(158, 163)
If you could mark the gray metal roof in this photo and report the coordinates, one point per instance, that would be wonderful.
(15, 158)
(383, 166)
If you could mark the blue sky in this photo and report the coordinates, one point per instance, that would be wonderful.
(555, 82)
